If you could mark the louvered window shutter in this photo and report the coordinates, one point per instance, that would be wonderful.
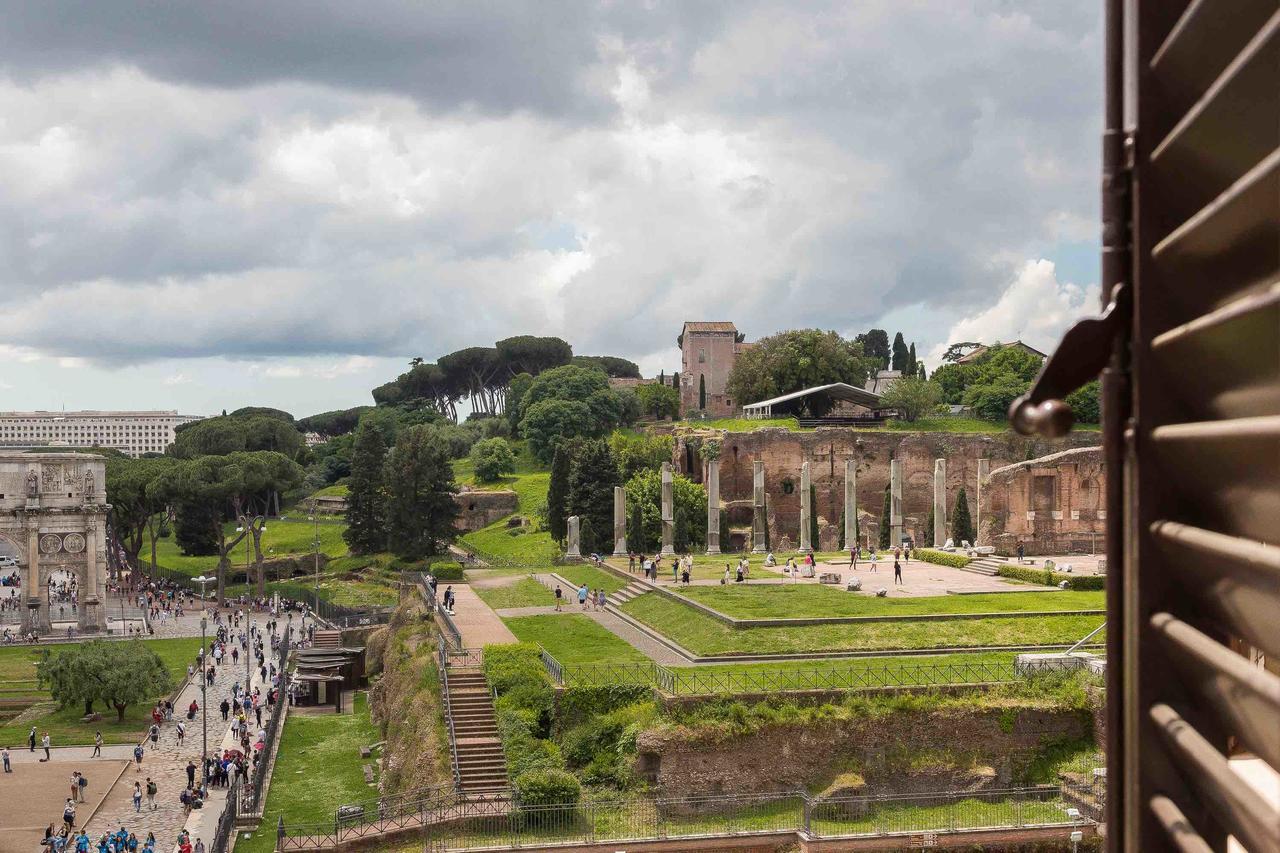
(1191, 422)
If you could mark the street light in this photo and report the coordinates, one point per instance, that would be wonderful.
(202, 580)
(204, 703)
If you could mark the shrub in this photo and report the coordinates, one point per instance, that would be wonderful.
(447, 570)
(547, 788)
(512, 665)
(942, 558)
(1048, 578)
(492, 458)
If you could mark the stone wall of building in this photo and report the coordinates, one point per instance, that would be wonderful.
(826, 449)
(479, 509)
(1053, 504)
(707, 353)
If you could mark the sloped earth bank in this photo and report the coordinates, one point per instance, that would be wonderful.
(405, 701)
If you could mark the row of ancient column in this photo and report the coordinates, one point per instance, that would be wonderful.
(760, 518)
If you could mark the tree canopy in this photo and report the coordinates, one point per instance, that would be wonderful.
(420, 488)
(689, 510)
(912, 397)
(117, 674)
(794, 360)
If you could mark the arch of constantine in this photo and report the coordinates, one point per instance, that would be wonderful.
(53, 515)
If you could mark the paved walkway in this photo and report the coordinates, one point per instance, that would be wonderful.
(476, 621)
(167, 763)
(611, 622)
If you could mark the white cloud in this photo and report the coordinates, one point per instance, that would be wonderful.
(1035, 308)
(176, 379)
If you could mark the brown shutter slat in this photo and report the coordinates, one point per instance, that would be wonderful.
(1239, 345)
(1228, 131)
(1246, 697)
(1239, 580)
(1239, 808)
(1181, 832)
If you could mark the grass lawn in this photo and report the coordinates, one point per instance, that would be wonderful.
(573, 638)
(337, 490)
(972, 813)
(318, 768)
(766, 601)
(521, 546)
(282, 538)
(702, 634)
(760, 677)
(18, 681)
(529, 481)
(525, 592)
(594, 578)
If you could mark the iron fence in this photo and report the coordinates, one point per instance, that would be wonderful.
(226, 825)
(443, 662)
(448, 630)
(252, 798)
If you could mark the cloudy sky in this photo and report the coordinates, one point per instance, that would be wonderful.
(209, 205)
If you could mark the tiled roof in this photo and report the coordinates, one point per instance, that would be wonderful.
(710, 326)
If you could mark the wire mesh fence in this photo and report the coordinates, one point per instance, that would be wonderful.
(251, 800)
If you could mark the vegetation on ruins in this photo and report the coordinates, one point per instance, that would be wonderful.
(689, 510)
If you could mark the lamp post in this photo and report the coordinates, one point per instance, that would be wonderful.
(204, 703)
(202, 580)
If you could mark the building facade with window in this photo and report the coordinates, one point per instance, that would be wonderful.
(132, 433)
(708, 351)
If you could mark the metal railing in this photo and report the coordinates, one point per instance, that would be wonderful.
(726, 680)
(252, 799)
(411, 811)
(227, 820)
(443, 663)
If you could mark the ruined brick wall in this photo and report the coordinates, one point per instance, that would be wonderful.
(477, 509)
(812, 755)
(1053, 504)
(826, 449)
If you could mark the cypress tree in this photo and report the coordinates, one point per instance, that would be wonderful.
(900, 353)
(558, 493)
(961, 523)
(928, 527)
(592, 478)
(911, 361)
(842, 544)
(366, 531)
(702, 391)
(885, 530)
(635, 530)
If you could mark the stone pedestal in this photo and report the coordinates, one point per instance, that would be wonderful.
(759, 517)
(619, 521)
(806, 510)
(713, 506)
(895, 503)
(851, 505)
(574, 549)
(939, 531)
(668, 512)
(984, 468)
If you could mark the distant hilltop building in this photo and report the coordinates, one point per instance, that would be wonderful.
(983, 349)
(882, 381)
(708, 351)
(132, 433)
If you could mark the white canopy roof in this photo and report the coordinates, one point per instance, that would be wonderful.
(836, 390)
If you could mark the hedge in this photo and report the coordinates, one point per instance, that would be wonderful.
(942, 558)
(446, 571)
(1042, 576)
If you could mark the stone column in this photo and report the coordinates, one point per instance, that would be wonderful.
(851, 505)
(759, 516)
(92, 614)
(668, 511)
(31, 584)
(619, 521)
(984, 468)
(713, 506)
(806, 509)
(940, 503)
(895, 503)
(574, 551)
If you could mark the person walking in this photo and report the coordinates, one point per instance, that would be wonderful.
(137, 758)
(225, 708)
(154, 734)
(75, 785)
(5, 757)
(191, 774)
(897, 571)
(97, 745)
(31, 738)
(582, 596)
(182, 732)
(559, 597)
(875, 557)
(152, 790)
(853, 558)
(69, 814)
(44, 743)
(137, 797)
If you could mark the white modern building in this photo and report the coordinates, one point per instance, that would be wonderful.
(134, 433)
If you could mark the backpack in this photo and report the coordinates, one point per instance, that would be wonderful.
(84, 782)
(151, 789)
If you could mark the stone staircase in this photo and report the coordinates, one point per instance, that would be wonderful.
(477, 744)
(632, 590)
(985, 565)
